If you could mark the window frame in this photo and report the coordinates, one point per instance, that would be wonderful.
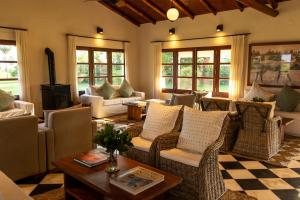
(216, 71)
(109, 63)
(9, 42)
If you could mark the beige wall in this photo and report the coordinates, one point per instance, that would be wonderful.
(49, 20)
(263, 28)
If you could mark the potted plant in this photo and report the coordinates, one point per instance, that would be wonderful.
(113, 140)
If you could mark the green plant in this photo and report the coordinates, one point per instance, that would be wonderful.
(113, 139)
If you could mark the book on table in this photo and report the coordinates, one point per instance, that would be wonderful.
(91, 158)
(137, 180)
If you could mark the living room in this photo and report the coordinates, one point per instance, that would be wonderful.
(70, 67)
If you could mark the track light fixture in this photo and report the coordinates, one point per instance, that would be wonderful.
(99, 30)
(172, 31)
(220, 28)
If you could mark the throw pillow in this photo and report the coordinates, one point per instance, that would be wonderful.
(257, 92)
(200, 129)
(288, 99)
(160, 119)
(6, 100)
(125, 89)
(183, 99)
(106, 90)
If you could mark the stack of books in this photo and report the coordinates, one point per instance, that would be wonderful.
(91, 159)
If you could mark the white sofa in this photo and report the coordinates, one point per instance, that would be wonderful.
(105, 108)
(294, 127)
(18, 108)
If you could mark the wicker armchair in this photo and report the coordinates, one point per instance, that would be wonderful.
(201, 182)
(218, 104)
(259, 135)
(143, 153)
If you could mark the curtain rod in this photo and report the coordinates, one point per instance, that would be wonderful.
(12, 28)
(82, 36)
(200, 38)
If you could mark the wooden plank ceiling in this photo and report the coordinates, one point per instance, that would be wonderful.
(151, 11)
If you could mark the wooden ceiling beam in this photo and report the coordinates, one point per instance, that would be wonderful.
(154, 7)
(124, 3)
(239, 5)
(178, 4)
(208, 6)
(119, 12)
(273, 3)
(260, 7)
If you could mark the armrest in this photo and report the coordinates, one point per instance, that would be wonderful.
(274, 123)
(139, 94)
(94, 129)
(135, 130)
(49, 145)
(91, 100)
(28, 107)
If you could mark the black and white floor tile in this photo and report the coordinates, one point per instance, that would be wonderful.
(255, 178)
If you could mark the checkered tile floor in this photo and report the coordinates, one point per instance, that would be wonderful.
(258, 179)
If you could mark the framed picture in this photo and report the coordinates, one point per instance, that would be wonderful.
(274, 64)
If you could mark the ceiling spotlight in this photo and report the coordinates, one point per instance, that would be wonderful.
(172, 13)
(172, 31)
(99, 30)
(220, 28)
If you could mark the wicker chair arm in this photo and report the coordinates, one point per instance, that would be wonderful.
(135, 130)
(166, 141)
(277, 120)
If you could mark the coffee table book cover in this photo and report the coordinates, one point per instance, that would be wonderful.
(91, 158)
(137, 179)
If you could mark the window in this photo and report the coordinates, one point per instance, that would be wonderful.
(196, 69)
(95, 65)
(9, 71)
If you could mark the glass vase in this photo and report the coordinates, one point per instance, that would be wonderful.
(112, 162)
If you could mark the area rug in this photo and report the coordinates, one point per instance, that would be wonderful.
(289, 150)
(58, 194)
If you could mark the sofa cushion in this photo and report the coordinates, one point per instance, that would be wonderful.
(288, 99)
(106, 90)
(292, 115)
(257, 91)
(182, 156)
(160, 119)
(126, 89)
(141, 144)
(15, 112)
(131, 99)
(200, 129)
(110, 102)
(6, 100)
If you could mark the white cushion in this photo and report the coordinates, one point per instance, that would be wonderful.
(110, 102)
(257, 91)
(131, 99)
(200, 129)
(15, 112)
(141, 144)
(182, 156)
(160, 119)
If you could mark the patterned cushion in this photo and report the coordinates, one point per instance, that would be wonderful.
(125, 89)
(200, 129)
(160, 119)
(6, 100)
(106, 90)
(257, 91)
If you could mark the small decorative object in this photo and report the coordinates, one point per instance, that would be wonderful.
(275, 64)
(113, 140)
(258, 99)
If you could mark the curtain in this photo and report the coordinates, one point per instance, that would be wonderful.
(72, 67)
(24, 71)
(157, 50)
(238, 67)
(128, 64)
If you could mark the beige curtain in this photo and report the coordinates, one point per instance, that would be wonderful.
(24, 71)
(238, 67)
(72, 67)
(157, 50)
(128, 64)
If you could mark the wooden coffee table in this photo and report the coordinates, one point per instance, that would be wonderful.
(83, 183)
(135, 110)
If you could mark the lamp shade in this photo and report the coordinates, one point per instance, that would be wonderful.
(172, 14)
